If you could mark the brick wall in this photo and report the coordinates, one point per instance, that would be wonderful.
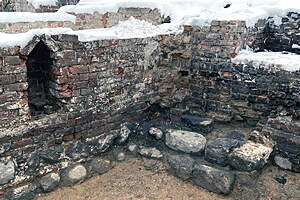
(269, 35)
(24, 6)
(100, 85)
(88, 21)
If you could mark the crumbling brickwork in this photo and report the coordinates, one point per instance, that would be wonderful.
(100, 85)
(25, 6)
(269, 35)
(88, 21)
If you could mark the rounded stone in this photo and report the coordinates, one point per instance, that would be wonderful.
(77, 173)
(157, 133)
(284, 163)
(132, 148)
(50, 182)
(74, 174)
(100, 166)
(7, 171)
(120, 156)
(150, 152)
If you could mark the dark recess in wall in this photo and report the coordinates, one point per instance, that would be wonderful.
(39, 62)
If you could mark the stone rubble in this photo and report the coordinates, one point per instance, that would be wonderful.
(156, 132)
(150, 152)
(7, 169)
(50, 182)
(110, 92)
(185, 141)
(100, 166)
(202, 125)
(213, 179)
(250, 156)
(218, 150)
(74, 174)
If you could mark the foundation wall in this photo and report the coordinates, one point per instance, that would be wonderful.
(101, 85)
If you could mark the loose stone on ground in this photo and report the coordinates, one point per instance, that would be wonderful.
(185, 141)
(250, 156)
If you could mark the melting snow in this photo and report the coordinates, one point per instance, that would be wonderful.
(285, 61)
(38, 3)
(132, 28)
(296, 46)
(14, 17)
(196, 12)
(21, 39)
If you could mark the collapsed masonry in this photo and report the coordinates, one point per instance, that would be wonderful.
(64, 103)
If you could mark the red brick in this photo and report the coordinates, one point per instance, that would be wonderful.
(22, 143)
(79, 69)
(62, 79)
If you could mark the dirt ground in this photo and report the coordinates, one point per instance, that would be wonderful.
(129, 180)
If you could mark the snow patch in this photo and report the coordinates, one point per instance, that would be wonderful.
(286, 61)
(15, 17)
(295, 46)
(22, 39)
(196, 12)
(132, 28)
(37, 3)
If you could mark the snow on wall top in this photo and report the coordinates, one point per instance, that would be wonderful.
(132, 28)
(37, 3)
(14, 17)
(286, 61)
(196, 12)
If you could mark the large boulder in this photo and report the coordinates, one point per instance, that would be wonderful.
(213, 179)
(250, 156)
(203, 125)
(7, 171)
(217, 150)
(185, 141)
(181, 166)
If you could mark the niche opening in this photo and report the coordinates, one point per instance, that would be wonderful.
(39, 77)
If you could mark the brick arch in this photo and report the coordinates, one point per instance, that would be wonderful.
(47, 40)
